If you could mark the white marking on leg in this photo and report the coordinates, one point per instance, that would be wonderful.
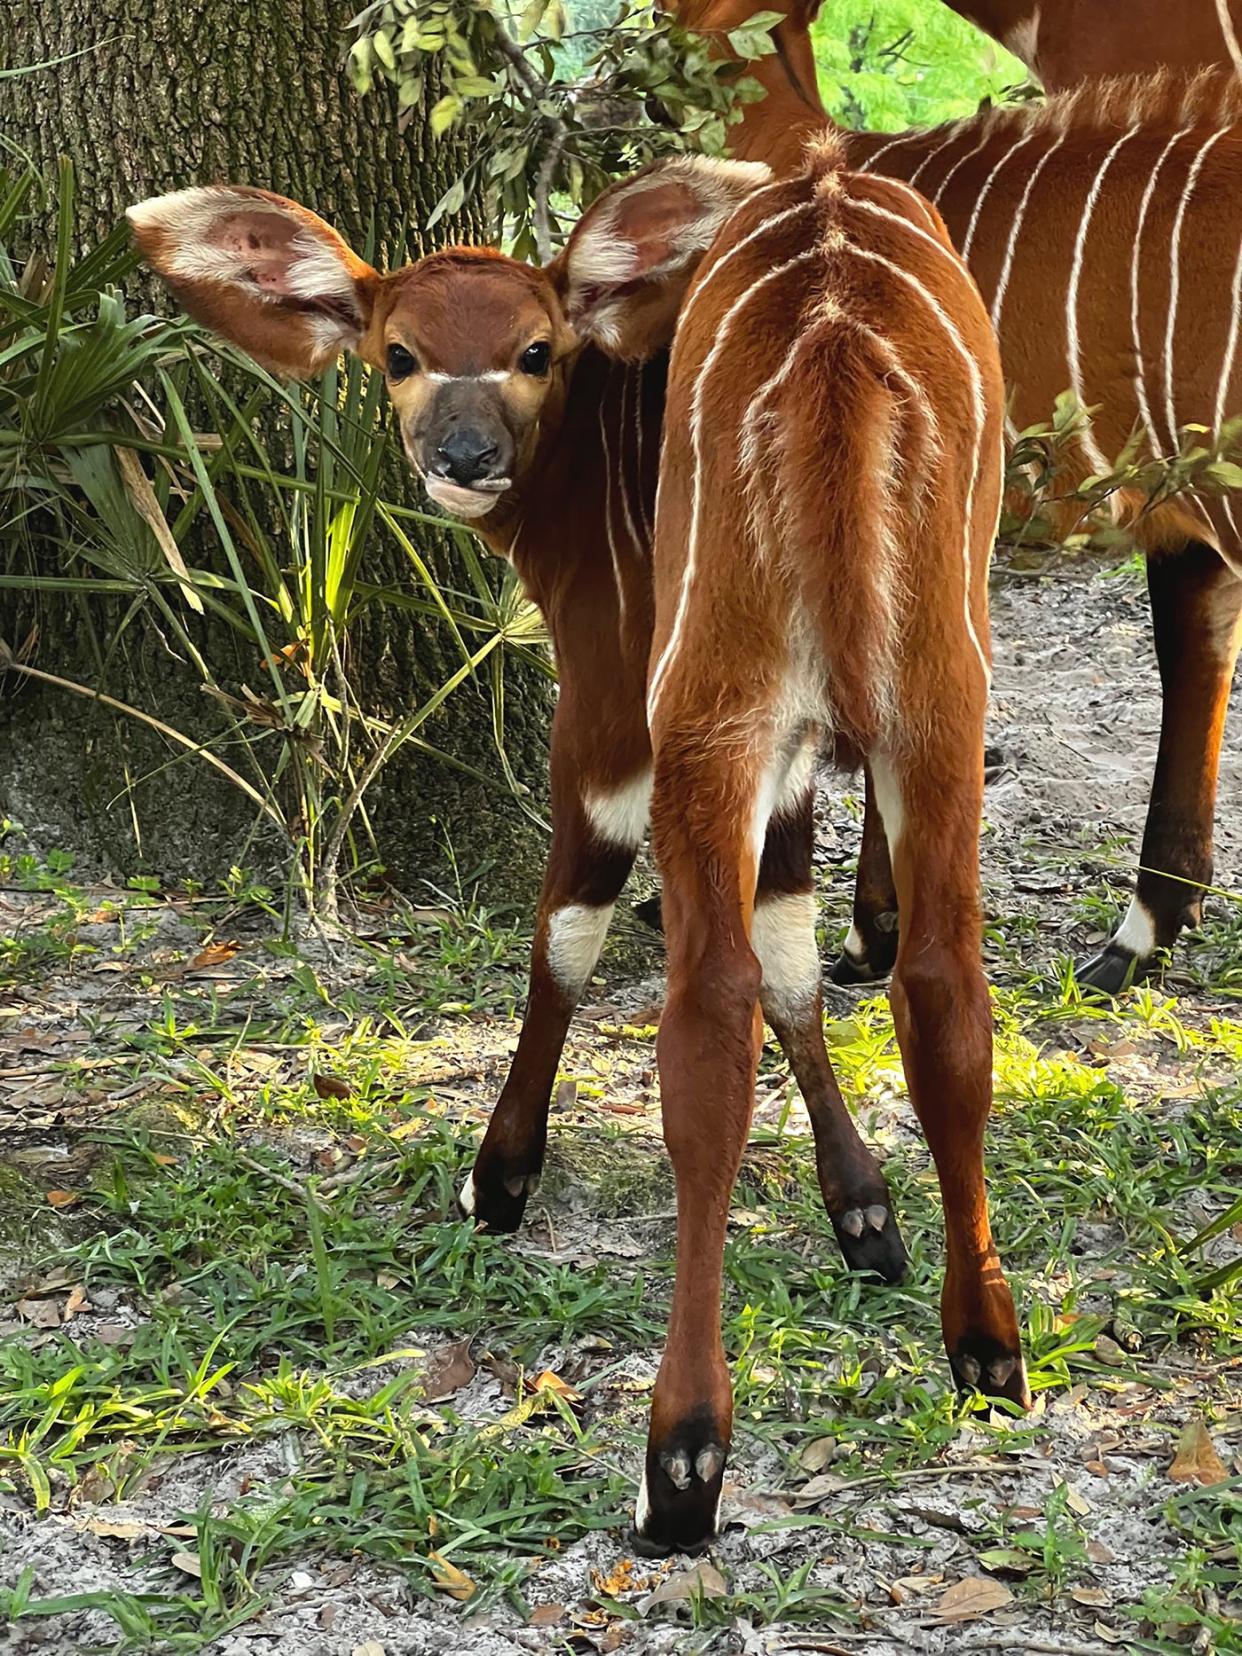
(782, 934)
(1175, 280)
(466, 1199)
(1095, 456)
(642, 1506)
(690, 568)
(575, 937)
(1140, 381)
(620, 815)
(1137, 932)
(1015, 230)
(1230, 34)
(888, 799)
(854, 946)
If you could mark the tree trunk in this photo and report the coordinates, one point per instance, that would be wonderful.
(178, 92)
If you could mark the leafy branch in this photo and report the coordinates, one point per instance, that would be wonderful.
(548, 114)
(1044, 510)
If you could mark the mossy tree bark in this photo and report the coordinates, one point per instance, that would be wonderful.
(178, 92)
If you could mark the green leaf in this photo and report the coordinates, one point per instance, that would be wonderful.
(444, 113)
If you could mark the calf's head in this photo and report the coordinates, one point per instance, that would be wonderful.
(477, 349)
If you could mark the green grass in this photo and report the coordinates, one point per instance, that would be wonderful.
(291, 1255)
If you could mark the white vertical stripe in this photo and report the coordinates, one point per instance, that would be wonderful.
(958, 165)
(969, 239)
(1002, 283)
(639, 391)
(901, 138)
(1140, 383)
(1230, 34)
(669, 653)
(954, 134)
(976, 385)
(1226, 375)
(612, 544)
(1175, 281)
(622, 432)
(1092, 449)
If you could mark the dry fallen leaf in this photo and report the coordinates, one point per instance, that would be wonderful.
(120, 1528)
(1196, 1460)
(817, 1455)
(1007, 1561)
(549, 1382)
(1095, 1597)
(547, 1615)
(448, 1370)
(215, 954)
(701, 1580)
(449, 1579)
(368, 1647)
(611, 1583)
(971, 1598)
(189, 1562)
(330, 1086)
(77, 1301)
(63, 1198)
(42, 1313)
(818, 1489)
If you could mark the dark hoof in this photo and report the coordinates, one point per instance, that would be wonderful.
(981, 1363)
(1111, 971)
(870, 1241)
(679, 1502)
(650, 912)
(498, 1203)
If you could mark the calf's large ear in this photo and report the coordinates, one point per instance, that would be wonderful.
(262, 272)
(625, 270)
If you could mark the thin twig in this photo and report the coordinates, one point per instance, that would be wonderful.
(543, 190)
(291, 1185)
(1040, 1647)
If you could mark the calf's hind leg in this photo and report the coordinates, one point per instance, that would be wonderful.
(783, 936)
(708, 1052)
(870, 946)
(931, 811)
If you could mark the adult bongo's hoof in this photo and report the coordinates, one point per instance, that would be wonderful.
(497, 1199)
(870, 1240)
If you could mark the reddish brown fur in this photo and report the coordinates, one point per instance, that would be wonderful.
(1065, 42)
(773, 625)
(980, 169)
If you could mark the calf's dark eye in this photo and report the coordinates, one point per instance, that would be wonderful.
(400, 362)
(535, 358)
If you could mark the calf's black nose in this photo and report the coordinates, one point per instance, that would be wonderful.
(467, 456)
